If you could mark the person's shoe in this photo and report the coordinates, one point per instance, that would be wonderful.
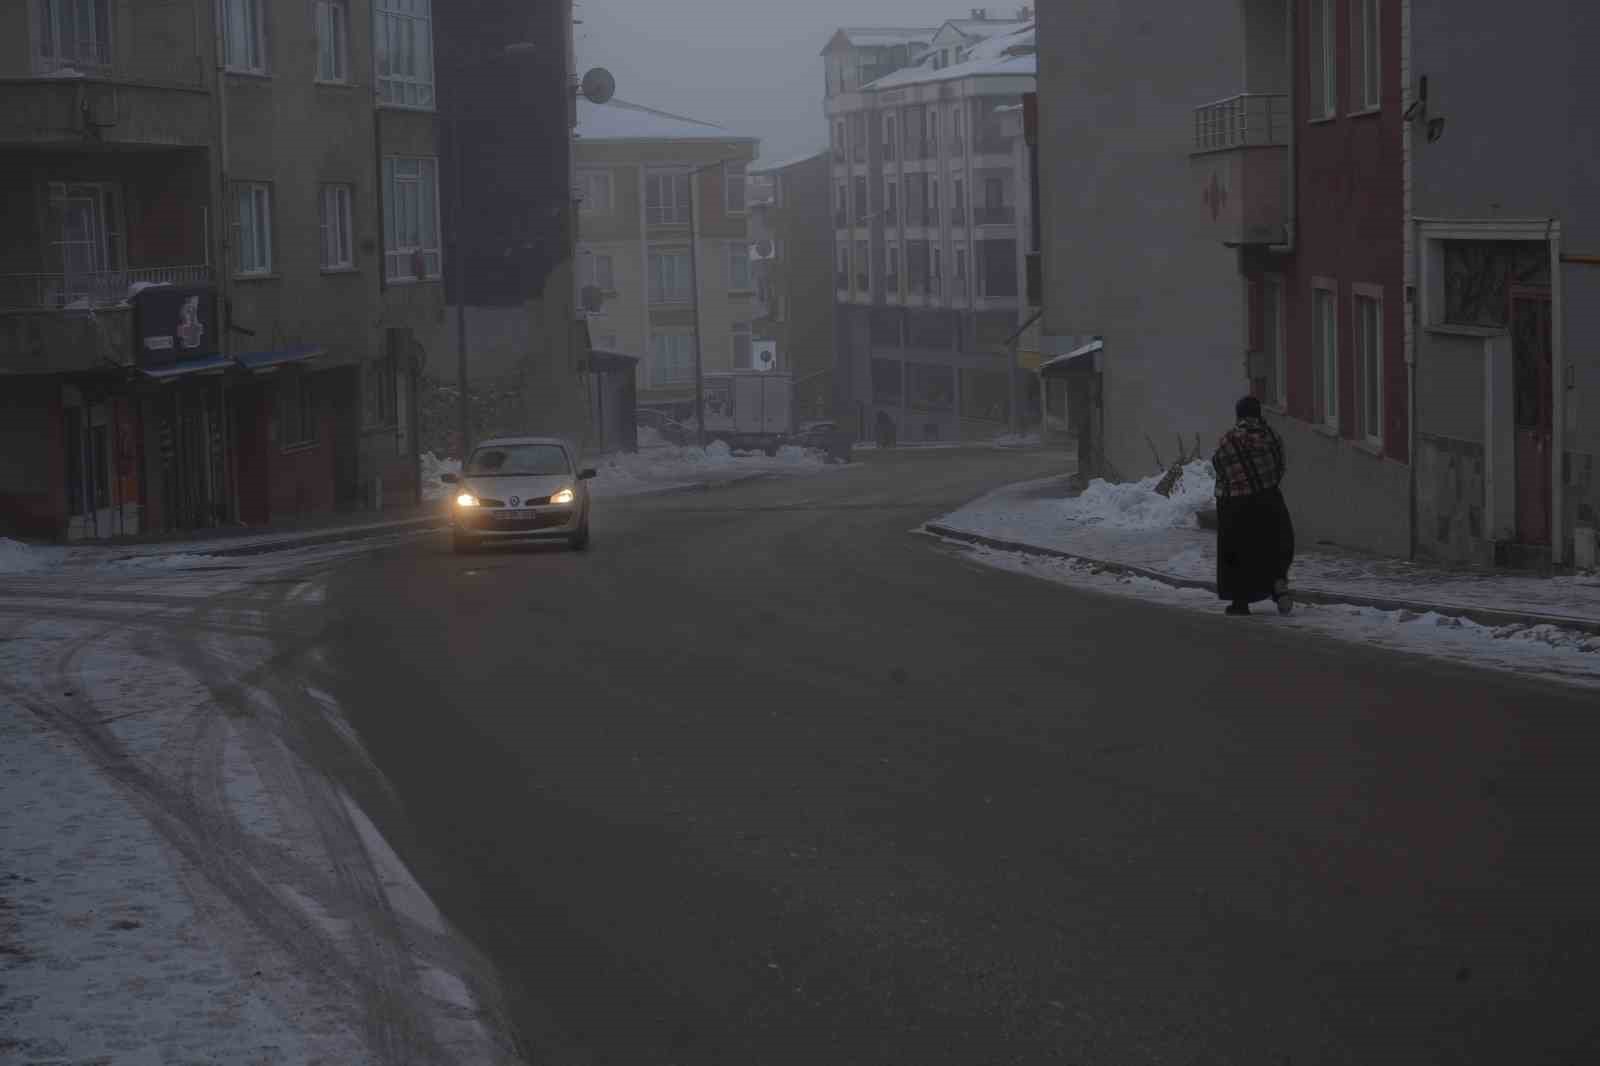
(1283, 597)
(1237, 608)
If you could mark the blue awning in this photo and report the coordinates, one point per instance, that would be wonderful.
(264, 362)
(215, 363)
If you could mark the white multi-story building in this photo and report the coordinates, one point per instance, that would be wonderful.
(930, 212)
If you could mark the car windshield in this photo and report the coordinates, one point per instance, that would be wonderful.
(518, 460)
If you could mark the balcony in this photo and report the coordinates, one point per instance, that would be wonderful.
(958, 217)
(1001, 215)
(863, 284)
(841, 281)
(839, 220)
(88, 290)
(1239, 166)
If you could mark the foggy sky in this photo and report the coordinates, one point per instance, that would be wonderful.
(750, 65)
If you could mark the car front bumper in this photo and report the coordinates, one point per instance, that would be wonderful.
(508, 523)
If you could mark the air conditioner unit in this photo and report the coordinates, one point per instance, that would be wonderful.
(763, 251)
(764, 355)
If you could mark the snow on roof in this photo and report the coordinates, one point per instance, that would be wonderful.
(761, 166)
(993, 56)
(979, 28)
(620, 120)
(881, 36)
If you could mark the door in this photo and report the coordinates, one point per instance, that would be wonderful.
(1531, 329)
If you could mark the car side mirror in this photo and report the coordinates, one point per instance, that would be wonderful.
(449, 479)
(586, 474)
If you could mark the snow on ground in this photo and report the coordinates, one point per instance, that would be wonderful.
(670, 466)
(1539, 651)
(432, 468)
(184, 880)
(19, 558)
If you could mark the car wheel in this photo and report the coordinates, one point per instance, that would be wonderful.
(463, 545)
(579, 541)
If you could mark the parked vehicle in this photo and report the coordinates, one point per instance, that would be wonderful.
(519, 488)
(751, 410)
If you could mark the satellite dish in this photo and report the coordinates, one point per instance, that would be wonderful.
(592, 298)
(764, 249)
(598, 86)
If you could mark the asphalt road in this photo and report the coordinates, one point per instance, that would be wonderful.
(763, 779)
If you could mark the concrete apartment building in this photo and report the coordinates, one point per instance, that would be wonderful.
(220, 237)
(791, 256)
(931, 204)
(637, 169)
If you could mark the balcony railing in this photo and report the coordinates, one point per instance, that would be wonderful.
(103, 288)
(1243, 121)
(1004, 215)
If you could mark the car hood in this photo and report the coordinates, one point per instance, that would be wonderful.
(523, 488)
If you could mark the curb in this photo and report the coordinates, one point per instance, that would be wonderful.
(330, 536)
(1487, 616)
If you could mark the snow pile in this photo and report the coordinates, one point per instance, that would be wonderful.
(1137, 505)
(432, 467)
(649, 437)
(1017, 440)
(19, 558)
(668, 465)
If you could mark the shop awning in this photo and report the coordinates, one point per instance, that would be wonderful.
(266, 362)
(214, 363)
(1079, 359)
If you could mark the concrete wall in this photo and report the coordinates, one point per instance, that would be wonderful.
(1123, 231)
(803, 276)
(32, 464)
(1344, 495)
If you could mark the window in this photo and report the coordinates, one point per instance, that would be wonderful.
(1365, 77)
(891, 202)
(934, 274)
(297, 409)
(598, 271)
(337, 252)
(1324, 75)
(733, 188)
(997, 269)
(669, 277)
(86, 240)
(666, 201)
(410, 218)
(1368, 351)
(861, 208)
(74, 33)
(252, 220)
(741, 346)
(841, 210)
(333, 40)
(403, 52)
(671, 359)
(519, 460)
(738, 266)
(961, 264)
(1276, 391)
(842, 281)
(863, 271)
(891, 271)
(888, 138)
(595, 193)
(956, 143)
(933, 201)
(378, 406)
(244, 32)
(606, 342)
(1325, 353)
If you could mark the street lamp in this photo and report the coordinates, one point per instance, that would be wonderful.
(694, 290)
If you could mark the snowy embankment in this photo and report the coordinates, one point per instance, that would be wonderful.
(1131, 525)
(187, 875)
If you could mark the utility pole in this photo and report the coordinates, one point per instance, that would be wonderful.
(694, 296)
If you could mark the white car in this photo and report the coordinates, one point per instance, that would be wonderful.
(519, 488)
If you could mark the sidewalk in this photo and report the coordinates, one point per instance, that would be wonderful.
(1126, 529)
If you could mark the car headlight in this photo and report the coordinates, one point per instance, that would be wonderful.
(564, 496)
(466, 499)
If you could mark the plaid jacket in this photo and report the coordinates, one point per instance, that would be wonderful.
(1249, 459)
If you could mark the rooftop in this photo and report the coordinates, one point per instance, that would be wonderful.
(762, 166)
(620, 120)
(882, 36)
(1005, 53)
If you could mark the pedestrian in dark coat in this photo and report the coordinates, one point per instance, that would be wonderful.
(1255, 535)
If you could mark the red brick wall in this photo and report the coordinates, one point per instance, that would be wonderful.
(1351, 226)
(302, 478)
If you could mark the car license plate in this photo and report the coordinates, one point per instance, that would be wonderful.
(515, 514)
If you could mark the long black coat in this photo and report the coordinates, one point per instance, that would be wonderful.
(1255, 545)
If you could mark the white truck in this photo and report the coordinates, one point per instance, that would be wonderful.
(752, 410)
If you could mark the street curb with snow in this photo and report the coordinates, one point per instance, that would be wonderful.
(1303, 593)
